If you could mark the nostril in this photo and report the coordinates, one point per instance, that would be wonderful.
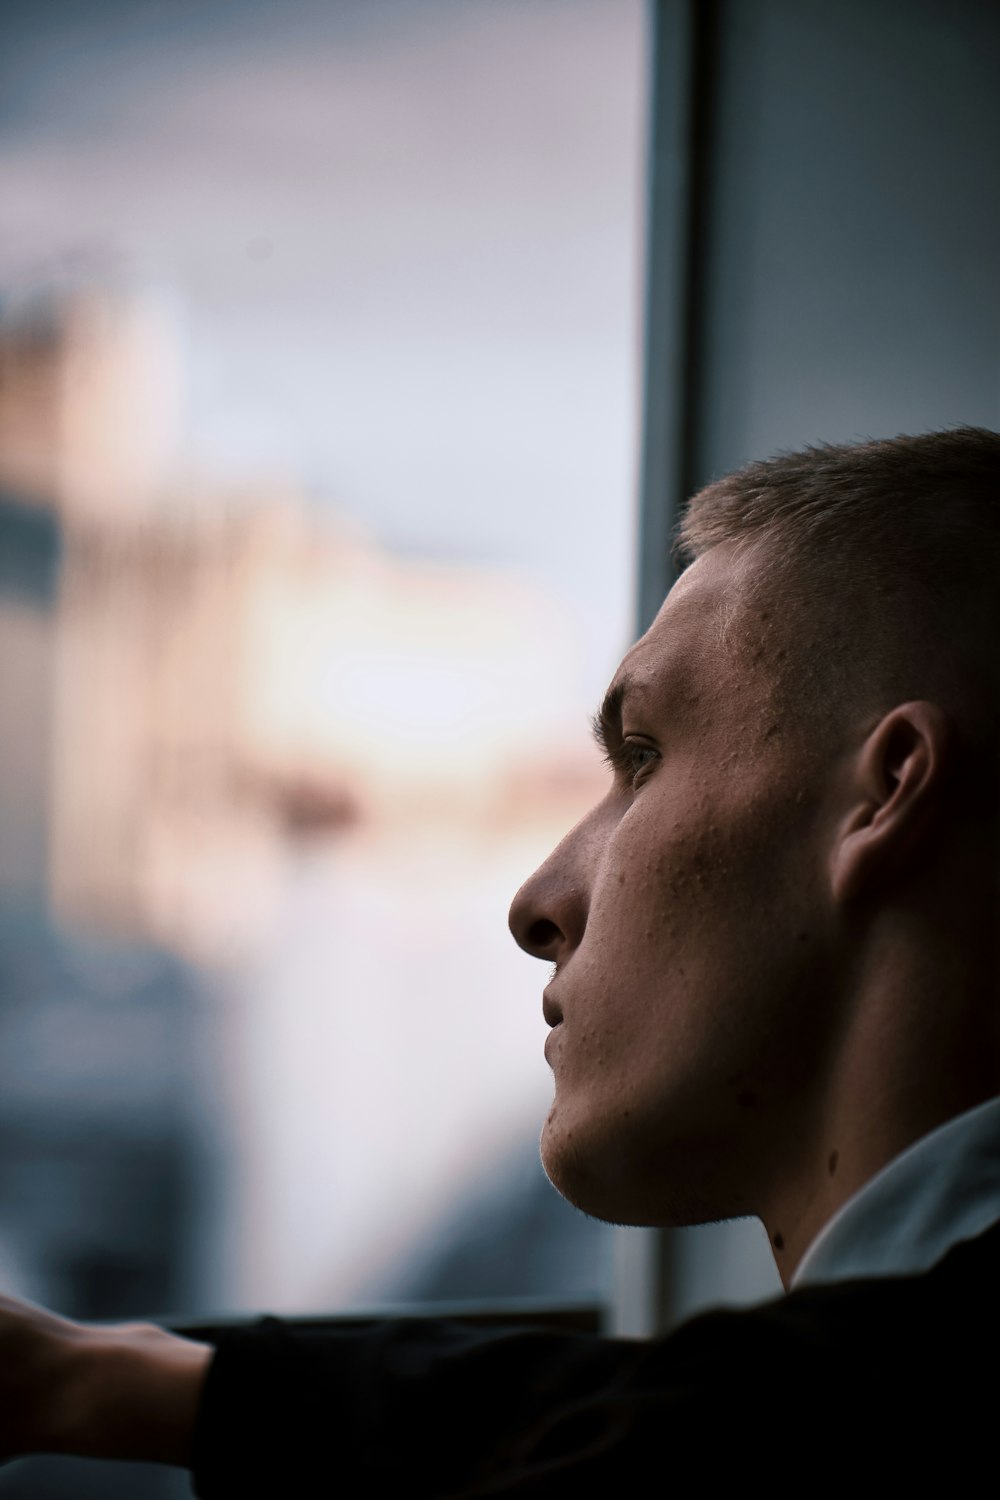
(543, 933)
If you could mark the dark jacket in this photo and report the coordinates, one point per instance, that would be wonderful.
(878, 1385)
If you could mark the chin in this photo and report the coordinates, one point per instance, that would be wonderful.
(611, 1177)
(598, 1182)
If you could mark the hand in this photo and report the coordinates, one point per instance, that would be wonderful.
(37, 1361)
(126, 1391)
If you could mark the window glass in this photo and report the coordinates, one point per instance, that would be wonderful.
(317, 442)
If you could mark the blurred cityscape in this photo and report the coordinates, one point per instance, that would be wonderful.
(318, 415)
(265, 789)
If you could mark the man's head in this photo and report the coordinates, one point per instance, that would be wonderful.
(733, 926)
(879, 560)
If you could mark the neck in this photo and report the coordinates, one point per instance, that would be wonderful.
(920, 1048)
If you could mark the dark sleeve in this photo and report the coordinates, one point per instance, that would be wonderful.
(883, 1379)
(424, 1408)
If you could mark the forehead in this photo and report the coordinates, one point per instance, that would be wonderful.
(682, 650)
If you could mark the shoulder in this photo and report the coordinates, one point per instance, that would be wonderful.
(940, 1311)
(896, 1370)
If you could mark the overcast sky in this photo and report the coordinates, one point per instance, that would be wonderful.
(401, 239)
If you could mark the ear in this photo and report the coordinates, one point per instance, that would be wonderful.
(897, 784)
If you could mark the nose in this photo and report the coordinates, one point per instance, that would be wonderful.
(549, 913)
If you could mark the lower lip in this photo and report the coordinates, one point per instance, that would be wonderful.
(550, 1039)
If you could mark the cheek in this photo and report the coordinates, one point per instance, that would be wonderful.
(699, 883)
(667, 863)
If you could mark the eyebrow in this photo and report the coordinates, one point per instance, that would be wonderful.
(606, 724)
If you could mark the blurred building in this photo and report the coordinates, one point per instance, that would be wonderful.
(107, 1153)
(224, 672)
(202, 686)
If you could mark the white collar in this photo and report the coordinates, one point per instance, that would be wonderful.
(943, 1189)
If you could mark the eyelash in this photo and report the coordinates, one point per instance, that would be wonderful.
(621, 759)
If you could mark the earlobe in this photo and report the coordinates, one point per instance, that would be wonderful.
(896, 788)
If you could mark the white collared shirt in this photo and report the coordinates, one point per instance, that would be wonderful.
(943, 1189)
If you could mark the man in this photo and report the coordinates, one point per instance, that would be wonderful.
(774, 993)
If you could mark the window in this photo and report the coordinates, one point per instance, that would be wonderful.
(319, 390)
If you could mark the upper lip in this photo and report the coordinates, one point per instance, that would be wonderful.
(550, 1010)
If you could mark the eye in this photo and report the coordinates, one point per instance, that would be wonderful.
(637, 758)
(630, 759)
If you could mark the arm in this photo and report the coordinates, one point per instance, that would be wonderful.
(126, 1391)
(416, 1406)
(432, 1409)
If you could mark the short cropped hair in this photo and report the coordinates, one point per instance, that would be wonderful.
(884, 559)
